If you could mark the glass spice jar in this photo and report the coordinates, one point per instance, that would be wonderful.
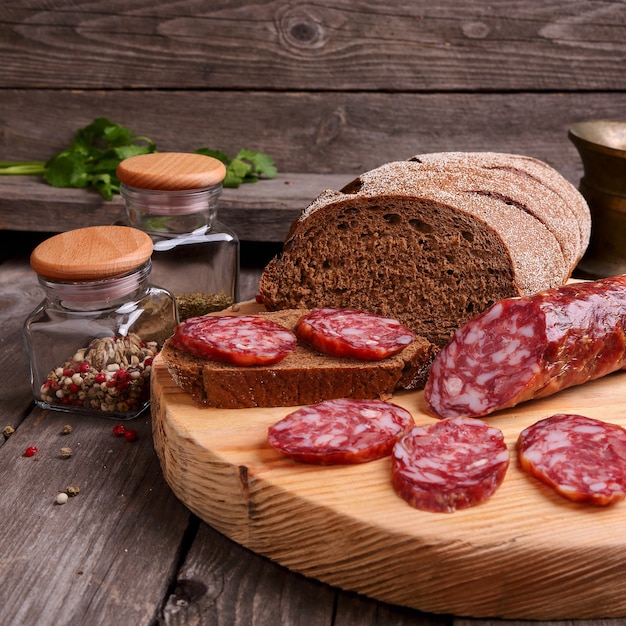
(173, 196)
(91, 341)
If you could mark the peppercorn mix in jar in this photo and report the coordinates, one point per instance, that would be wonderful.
(92, 340)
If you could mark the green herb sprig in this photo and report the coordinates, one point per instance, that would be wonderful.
(96, 150)
(246, 167)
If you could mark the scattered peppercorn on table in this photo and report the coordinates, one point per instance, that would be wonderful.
(91, 533)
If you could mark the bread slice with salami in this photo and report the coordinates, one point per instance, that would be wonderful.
(432, 241)
(304, 376)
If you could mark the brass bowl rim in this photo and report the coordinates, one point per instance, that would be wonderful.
(577, 133)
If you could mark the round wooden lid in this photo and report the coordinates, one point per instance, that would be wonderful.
(91, 253)
(171, 171)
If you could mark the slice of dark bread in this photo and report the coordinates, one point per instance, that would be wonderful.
(432, 242)
(306, 376)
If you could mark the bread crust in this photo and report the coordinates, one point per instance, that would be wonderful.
(432, 241)
(566, 209)
(304, 377)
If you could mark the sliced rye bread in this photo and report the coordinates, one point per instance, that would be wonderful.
(430, 245)
(306, 376)
(564, 214)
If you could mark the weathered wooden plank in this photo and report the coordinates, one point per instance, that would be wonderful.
(584, 622)
(261, 211)
(353, 609)
(311, 132)
(19, 294)
(308, 134)
(220, 581)
(107, 556)
(343, 44)
(87, 558)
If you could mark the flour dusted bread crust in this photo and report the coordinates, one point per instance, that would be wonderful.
(303, 377)
(432, 241)
(556, 202)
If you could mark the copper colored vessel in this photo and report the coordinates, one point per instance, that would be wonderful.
(602, 148)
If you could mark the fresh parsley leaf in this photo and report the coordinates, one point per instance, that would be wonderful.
(262, 164)
(96, 150)
(246, 167)
(67, 169)
(216, 154)
(106, 184)
(93, 156)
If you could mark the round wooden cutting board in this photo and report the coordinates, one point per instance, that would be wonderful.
(526, 553)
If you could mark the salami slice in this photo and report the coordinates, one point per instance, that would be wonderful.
(452, 464)
(581, 458)
(353, 334)
(531, 347)
(341, 431)
(237, 339)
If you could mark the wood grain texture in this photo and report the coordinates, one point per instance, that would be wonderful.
(72, 554)
(312, 132)
(262, 211)
(319, 141)
(328, 88)
(202, 598)
(221, 582)
(526, 553)
(20, 293)
(45, 548)
(171, 171)
(110, 551)
(412, 46)
(91, 253)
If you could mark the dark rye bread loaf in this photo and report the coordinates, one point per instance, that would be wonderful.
(432, 241)
(306, 376)
(557, 203)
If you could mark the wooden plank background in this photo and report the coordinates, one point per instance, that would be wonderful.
(326, 88)
(348, 45)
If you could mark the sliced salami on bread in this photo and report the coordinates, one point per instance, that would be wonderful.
(305, 376)
(432, 241)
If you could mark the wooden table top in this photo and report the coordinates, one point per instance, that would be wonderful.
(125, 550)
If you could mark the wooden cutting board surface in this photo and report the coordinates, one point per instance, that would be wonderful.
(526, 553)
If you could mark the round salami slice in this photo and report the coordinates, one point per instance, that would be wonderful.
(341, 431)
(453, 464)
(581, 458)
(237, 339)
(353, 334)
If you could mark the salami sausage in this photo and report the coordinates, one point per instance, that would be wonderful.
(531, 347)
(237, 339)
(452, 464)
(341, 431)
(353, 334)
(582, 459)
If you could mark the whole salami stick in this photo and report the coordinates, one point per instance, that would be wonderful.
(531, 347)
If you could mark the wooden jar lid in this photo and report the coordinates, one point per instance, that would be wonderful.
(171, 171)
(91, 253)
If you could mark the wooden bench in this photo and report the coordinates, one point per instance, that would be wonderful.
(329, 89)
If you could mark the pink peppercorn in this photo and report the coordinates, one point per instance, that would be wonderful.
(130, 434)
